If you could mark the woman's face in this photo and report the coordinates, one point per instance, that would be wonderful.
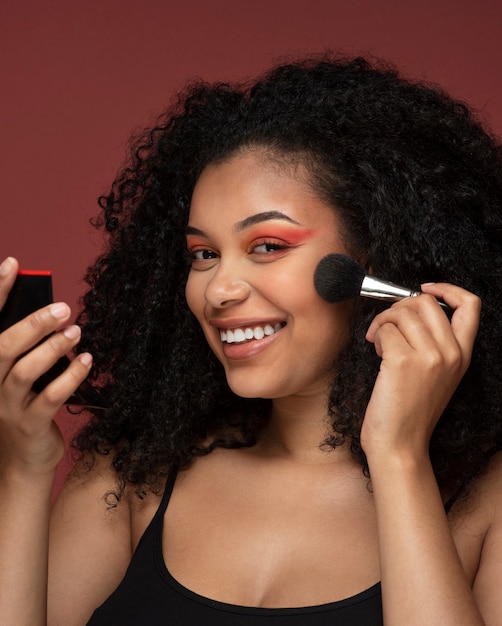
(256, 234)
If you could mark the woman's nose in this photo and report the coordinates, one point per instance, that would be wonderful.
(227, 288)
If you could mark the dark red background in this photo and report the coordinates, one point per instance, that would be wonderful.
(77, 77)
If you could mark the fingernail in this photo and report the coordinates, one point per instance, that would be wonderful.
(72, 332)
(6, 266)
(85, 358)
(59, 310)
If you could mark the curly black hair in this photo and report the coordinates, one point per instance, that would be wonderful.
(417, 183)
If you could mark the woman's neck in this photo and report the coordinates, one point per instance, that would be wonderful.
(297, 428)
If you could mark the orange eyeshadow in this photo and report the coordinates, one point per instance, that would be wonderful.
(293, 236)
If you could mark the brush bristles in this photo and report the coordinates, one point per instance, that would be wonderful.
(338, 277)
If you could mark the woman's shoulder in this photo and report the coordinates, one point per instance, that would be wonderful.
(90, 542)
(476, 520)
(94, 479)
(94, 490)
(482, 526)
(483, 501)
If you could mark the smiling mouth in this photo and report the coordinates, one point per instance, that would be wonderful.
(246, 334)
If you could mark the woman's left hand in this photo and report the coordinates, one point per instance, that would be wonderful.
(424, 356)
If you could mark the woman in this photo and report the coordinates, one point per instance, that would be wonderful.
(266, 456)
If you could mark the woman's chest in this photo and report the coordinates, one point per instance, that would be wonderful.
(278, 545)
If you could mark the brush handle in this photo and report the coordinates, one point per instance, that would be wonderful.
(372, 287)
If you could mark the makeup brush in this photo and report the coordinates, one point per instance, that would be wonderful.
(338, 277)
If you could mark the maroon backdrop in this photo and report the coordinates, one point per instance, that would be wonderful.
(78, 77)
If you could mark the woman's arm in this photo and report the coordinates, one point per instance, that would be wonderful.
(24, 523)
(423, 360)
(30, 449)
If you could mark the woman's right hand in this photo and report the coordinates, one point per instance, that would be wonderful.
(30, 441)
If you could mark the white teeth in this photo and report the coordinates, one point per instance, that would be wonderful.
(239, 335)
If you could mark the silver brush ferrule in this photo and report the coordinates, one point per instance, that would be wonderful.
(385, 290)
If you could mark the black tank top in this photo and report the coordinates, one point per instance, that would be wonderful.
(149, 596)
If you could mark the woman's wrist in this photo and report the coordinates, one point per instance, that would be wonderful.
(20, 474)
(400, 460)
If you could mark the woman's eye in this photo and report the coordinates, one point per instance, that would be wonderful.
(202, 258)
(268, 247)
(203, 255)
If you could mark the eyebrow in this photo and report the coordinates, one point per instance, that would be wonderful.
(263, 217)
(249, 221)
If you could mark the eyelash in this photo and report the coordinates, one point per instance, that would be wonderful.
(277, 246)
(192, 253)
